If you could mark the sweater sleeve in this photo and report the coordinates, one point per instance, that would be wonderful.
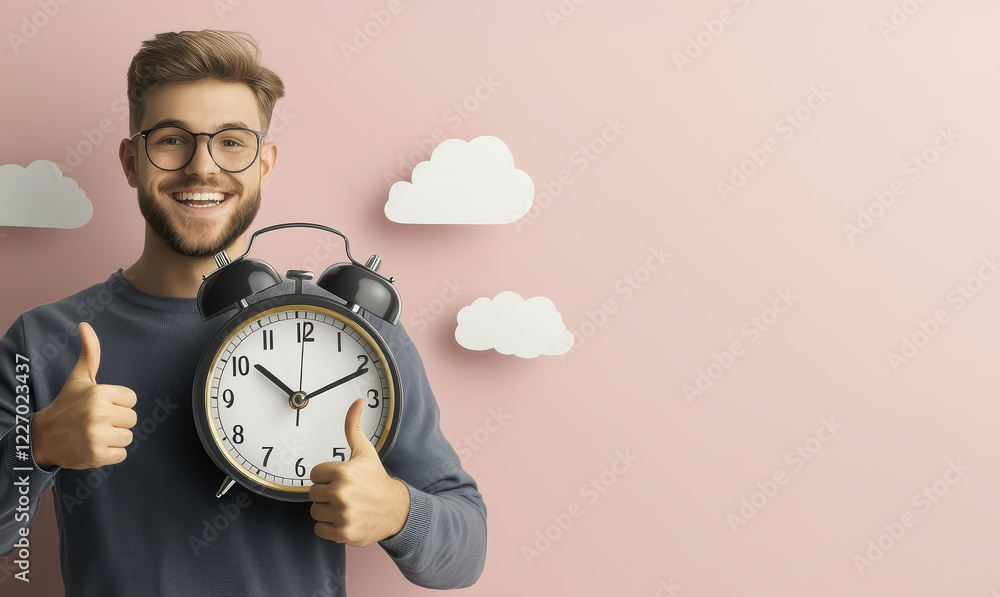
(22, 483)
(443, 543)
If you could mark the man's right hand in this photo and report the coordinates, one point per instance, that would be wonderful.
(87, 425)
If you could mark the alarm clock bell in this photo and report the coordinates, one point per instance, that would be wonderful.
(360, 285)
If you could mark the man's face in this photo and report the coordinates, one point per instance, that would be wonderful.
(197, 228)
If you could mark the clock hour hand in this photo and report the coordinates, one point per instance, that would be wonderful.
(361, 371)
(274, 379)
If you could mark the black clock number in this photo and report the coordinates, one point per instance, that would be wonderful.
(373, 394)
(241, 366)
(364, 361)
(228, 397)
(268, 455)
(303, 331)
(339, 453)
(268, 339)
(299, 469)
(238, 434)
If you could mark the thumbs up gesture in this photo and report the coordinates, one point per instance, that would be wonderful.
(87, 425)
(357, 502)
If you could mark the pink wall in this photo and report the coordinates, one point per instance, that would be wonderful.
(866, 102)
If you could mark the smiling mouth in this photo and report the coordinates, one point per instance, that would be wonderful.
(200, 199)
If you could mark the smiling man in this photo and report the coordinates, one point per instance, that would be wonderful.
(196, 203)
(110, 418)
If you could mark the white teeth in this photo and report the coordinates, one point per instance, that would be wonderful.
(189, 198)
(199, 196)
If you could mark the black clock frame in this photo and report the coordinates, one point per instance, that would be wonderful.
(203, 418)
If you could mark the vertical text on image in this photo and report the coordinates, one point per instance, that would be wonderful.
(22, 441)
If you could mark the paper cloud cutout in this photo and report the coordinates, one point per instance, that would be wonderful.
(39, 196)
(471, 182)
(512, 325)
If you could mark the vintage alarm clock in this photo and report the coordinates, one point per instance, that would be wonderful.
(274, 384)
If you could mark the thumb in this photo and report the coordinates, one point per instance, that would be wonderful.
(90, 355)
(356, 438)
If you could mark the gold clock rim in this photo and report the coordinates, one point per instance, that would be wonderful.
(282, 308)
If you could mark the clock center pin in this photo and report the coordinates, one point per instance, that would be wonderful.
(298, 400)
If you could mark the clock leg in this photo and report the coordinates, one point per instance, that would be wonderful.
(227, 483)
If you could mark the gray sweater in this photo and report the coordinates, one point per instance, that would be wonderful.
(152, 525)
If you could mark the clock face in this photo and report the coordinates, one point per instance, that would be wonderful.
(275, 385)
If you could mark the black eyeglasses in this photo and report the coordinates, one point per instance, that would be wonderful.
(172, 148)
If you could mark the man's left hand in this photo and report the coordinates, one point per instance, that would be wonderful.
(357, 502)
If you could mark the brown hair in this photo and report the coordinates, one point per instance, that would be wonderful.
(230, 56)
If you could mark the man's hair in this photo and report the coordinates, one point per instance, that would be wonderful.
(230, 56)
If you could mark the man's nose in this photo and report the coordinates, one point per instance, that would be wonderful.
(202, 164)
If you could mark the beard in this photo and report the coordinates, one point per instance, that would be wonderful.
(200, 239)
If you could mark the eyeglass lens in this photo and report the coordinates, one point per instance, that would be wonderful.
(170, 148)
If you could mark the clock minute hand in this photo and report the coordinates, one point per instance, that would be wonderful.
(274, 379)
(361, 371)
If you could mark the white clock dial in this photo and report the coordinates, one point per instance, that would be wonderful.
(280, 387)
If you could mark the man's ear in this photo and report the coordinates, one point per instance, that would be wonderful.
(268, 157)
(126, 154)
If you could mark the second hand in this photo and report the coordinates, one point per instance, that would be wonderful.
(302, 357)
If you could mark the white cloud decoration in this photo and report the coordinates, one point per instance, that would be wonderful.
(512, 325)
(472, 182)
(39, 196)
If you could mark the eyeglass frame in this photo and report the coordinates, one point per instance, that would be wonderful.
(260, 137)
